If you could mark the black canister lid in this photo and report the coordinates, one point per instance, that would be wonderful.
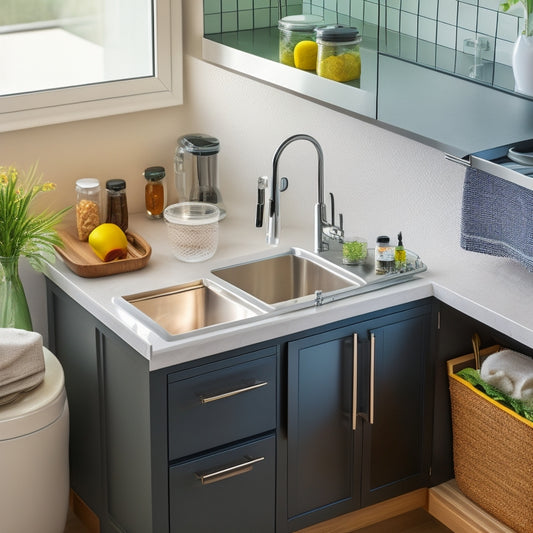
(154, 173)
(199, 144)
(115, 185)
(383, 239)
(338, 34)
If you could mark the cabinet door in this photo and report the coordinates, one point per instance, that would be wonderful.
(398, 425)
(322, 444)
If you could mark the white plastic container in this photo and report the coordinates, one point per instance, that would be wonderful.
(192, 230)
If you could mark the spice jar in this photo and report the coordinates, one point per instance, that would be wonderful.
(338, 56)
(155, 191)
(88, 206)
(117, 205)
(384, 255)
(292, 30)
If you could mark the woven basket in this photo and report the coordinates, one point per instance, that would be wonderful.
(493, 451)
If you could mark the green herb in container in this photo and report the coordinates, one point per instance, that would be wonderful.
(354, 250)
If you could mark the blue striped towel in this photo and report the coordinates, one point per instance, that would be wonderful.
(497, 217)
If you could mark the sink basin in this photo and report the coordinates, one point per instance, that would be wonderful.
(288, 277)
(187, 308)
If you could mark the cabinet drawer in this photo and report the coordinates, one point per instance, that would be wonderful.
(236, 495)
(221, 406)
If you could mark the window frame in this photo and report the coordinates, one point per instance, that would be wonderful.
(164, 89)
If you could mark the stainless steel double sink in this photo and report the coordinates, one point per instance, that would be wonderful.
(251, 289)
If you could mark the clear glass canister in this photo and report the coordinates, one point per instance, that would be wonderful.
(294, 29)
(88, 206)
(338, 56)
(117, 203)
(155, 191)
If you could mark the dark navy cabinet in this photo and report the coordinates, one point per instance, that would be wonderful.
(267, 438)
(222, 421)
(359, 415)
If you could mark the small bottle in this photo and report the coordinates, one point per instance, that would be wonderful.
(384, 254)
(155, 191)
(117, 204)
(88, 206)
(400, 257)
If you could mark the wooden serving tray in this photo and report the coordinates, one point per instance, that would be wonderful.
(80, 258)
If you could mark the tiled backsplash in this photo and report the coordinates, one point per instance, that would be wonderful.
(454, 24)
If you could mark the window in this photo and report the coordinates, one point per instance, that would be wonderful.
(64, 60)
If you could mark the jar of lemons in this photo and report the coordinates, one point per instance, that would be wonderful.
(294, 29)
(338, 56)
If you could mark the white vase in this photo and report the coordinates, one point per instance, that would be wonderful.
(523, 64)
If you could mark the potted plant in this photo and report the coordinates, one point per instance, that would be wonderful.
(22, 233)
(523, 48)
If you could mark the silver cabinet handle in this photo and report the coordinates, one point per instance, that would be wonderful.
(208, 399)
(228, 471)
(372, 374)
(354, 383)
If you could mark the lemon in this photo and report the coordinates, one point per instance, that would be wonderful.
(108, 242)
(305, 53)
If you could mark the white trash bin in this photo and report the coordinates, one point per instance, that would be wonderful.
(34, 471)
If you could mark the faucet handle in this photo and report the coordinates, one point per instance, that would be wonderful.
(261, 186)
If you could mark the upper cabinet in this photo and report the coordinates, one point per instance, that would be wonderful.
(437, 71)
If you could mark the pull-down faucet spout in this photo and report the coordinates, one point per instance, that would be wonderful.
(277, 186)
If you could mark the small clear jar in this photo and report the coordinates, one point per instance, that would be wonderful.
(88, 206)
(338, 55)
(192, 229)
(155, 191)
(117, 203)
(292, 30)
(384, 255)
(354, 250)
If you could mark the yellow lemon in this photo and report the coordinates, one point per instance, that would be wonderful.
(305, 53)
(108, 242)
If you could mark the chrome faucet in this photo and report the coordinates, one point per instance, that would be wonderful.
(323, 230)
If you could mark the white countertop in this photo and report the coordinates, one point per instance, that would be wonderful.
(495, 291)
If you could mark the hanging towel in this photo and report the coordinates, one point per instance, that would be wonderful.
(511, 372)
(497, 217)
(21, 362)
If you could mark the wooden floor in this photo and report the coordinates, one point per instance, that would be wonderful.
(74, 524)
(417, 521)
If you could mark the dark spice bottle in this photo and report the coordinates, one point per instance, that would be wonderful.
(117, 205)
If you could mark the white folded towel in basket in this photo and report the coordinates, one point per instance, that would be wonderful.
(21, 362)
(511, 372)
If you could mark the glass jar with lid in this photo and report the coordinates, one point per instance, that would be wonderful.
(294, 29)
(117, 204)
(155, 191)
(338, 55)
(88, 206)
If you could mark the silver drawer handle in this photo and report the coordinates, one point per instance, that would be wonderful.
(207, 399)
(228, 471)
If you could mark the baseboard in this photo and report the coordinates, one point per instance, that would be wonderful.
(371, 515)
(451, 507)
(84, 513)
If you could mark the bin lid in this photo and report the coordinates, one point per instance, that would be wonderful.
(37, 408)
